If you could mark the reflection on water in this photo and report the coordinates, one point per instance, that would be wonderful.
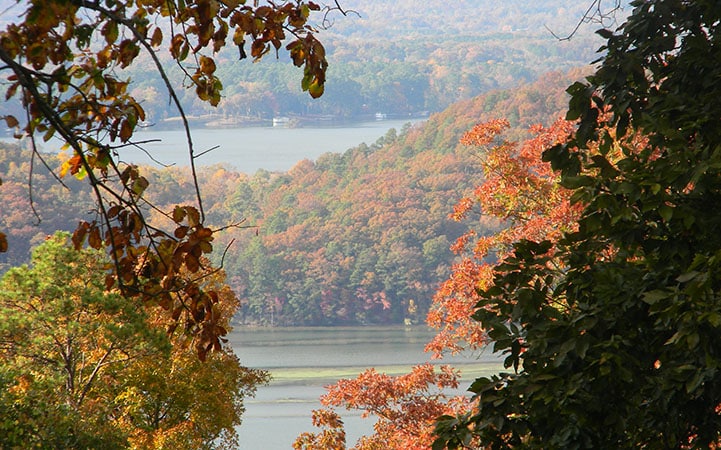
(303, 360)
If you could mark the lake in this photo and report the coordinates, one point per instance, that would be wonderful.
(304, 360)
(249, 149)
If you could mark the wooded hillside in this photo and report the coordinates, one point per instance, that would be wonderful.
(352, 238)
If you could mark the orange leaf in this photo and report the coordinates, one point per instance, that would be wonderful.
(207, 65)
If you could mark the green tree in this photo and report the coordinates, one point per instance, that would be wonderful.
(80, 367)
(64, 341)
(62, 59)
(619, 348)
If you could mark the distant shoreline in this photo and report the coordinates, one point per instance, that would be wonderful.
(288, 121)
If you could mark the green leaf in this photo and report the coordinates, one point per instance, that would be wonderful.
(655, 296)
(688, 276)
(666, 212)
(139, 185)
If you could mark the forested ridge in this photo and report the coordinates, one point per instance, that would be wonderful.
(386, 57)
(351, 238)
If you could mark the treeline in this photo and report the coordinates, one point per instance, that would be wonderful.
(353, 238)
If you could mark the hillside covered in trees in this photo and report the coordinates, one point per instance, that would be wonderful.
(385, 56)
(351, 238)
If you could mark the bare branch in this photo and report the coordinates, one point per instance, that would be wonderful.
(328, 9)
(594, 14)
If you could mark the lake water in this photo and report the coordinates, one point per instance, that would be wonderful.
(304, 360)
(251, 148)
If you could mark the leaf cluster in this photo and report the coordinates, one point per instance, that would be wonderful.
(81, 367)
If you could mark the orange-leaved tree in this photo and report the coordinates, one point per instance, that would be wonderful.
(522, 193)
(406, 407)
(61, 60)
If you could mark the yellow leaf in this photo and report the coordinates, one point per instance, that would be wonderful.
(64, 169)
(316, 89)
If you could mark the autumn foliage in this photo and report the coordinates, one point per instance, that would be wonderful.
(405, 407)
(522, 193)
(61, 60)
(81, 367)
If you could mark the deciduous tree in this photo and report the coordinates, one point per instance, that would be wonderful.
(80, 367)
(405, 407)
(522, 193)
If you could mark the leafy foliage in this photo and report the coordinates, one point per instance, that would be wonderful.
(80, 367)
(62, 58)
(520, 190)
(406, 407)
(619, 350)
(382, 209)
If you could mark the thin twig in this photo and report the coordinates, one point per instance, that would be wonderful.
(207, 151)
(589, 16)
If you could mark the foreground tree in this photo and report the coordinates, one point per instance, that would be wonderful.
(620, 349)
(62, 59)
(80, 367)
(405, 407)
(522, 193)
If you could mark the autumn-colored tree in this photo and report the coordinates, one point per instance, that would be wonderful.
(406, 407)
(522, 193)
(62, 59)
(80, 367)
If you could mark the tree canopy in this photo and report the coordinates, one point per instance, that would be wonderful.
(64, 58)
(81, 367)
(616, 344)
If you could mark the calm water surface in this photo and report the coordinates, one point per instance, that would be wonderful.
(252, 148)
(304, 360)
